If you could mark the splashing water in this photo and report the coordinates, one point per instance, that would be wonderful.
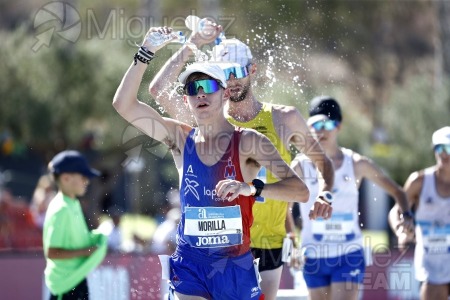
(200, 56)
(283, 57)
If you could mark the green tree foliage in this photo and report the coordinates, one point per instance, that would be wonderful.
(378, 58)
(415, 111)
(51, 95)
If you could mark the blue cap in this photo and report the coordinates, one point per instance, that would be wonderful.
(71, 161)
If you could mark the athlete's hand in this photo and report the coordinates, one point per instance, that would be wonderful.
(408, 225)
(320, 208)
(163, 30)
(297, 260)
(230, 189)
(405, 233)
(208, 33)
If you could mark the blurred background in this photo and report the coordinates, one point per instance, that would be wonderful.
(386, 62)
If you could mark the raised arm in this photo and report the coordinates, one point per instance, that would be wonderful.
(364, 167)
(138, 113)
(164, 93)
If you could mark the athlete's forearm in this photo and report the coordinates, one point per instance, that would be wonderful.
(173, 67)
(169, 73)
(163, 92)
(402, 200)
(291, 189)
(394, 218)
(126, 94)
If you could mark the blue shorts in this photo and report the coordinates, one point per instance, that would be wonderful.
(320, 272)
(229, 278)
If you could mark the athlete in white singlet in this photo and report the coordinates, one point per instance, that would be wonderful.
(428, 192)
(334, 265)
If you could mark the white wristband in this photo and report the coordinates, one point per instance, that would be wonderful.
(326, 196)
(252, 189)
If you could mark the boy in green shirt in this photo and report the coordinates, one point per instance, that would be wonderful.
(70, 248)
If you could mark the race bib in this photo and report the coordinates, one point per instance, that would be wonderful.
(339, 228)
(211, 227)
(436, 238)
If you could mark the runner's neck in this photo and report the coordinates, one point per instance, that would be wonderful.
(245, 110)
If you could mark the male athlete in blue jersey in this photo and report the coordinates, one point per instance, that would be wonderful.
(218, 164)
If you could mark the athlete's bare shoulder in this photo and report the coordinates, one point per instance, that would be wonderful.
(284, 114)
(413, 187)
(290, 125)
(415, 179)
(252, 142)
(249, 134)
(364, 166)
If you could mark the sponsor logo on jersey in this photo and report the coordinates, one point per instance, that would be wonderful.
(230, 170)
(190, 188)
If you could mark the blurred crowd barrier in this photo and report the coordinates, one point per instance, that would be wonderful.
(18, 226)
(138, 276)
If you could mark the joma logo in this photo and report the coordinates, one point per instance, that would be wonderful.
(212, 240)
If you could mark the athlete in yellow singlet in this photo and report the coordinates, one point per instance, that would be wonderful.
(284, 125)
(268, 228)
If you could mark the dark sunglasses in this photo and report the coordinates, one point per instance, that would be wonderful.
(328, 125)
(441, 148)
(238, 72)
(209, 86)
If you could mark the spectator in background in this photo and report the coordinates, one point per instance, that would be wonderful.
(164, 238)
(45, 191)
(17, 228)
(111, 228)
(70, 249)
(428, 193)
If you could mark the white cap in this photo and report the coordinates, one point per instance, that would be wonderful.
(316, 118)
(441, 136)
(232, 50)
(207, 68)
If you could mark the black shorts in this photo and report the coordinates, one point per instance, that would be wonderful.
(80, 292)
(269, 259)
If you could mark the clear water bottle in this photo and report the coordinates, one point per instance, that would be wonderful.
(157, 38)
(180, 37)
(195, 24)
